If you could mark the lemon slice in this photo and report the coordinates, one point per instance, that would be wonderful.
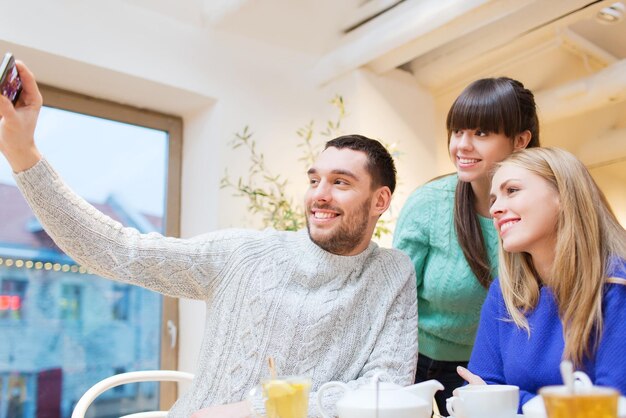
(279, 388)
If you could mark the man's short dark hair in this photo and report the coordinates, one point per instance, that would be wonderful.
(380, 163)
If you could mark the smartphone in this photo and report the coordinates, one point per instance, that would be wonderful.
(10, 81)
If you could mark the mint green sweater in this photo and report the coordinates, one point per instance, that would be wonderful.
(448, 293)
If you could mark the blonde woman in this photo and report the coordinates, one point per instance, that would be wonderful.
(561, 293)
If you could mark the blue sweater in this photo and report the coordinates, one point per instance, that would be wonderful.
(503, 353)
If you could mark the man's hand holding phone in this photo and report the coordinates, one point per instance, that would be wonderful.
(10, 81)
(19, 118)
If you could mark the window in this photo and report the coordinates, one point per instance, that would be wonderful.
(70, 302)
(16, 396)
(14, 390)
(121, 302)
(110, 154)
(12, 296)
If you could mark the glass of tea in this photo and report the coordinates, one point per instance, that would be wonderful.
(284, 396)
(587, 402)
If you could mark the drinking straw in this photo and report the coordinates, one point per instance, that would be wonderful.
(567, 373)
(270, 363)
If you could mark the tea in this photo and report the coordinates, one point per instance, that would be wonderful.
(581, 405)
(286, 398)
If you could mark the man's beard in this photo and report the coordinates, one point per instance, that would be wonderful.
(348, 235)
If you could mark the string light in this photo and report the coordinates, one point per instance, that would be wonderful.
(38, 265)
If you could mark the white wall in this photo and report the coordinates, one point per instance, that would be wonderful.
(218, 83)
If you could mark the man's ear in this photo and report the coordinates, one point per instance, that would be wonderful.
(522, 140)
(381, 201)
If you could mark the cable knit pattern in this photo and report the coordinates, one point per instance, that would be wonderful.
(448, 293)
(267, 293)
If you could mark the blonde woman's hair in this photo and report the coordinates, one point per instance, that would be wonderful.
(589, 238)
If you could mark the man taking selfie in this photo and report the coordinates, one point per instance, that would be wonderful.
(325, 302)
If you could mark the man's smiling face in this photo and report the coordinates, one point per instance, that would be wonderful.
(338, 202)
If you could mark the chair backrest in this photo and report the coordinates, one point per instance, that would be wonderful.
(130, 377)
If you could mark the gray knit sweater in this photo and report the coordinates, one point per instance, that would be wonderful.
(267, 293)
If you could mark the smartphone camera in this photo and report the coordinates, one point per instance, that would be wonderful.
(10, 82)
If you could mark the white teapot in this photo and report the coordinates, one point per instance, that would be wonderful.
(393, 401)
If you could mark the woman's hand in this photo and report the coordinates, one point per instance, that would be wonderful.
(470, 377)
(17, 126)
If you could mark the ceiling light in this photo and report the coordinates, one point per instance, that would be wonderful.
(612, 14)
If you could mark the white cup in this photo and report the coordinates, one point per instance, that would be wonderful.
(484, 401)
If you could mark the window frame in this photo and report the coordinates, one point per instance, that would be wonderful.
(173, 125)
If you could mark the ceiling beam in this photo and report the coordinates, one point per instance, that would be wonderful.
(404, 23)
(605, 87)
(451, 30)
(582, 46)
(504, 41)
(366, 12)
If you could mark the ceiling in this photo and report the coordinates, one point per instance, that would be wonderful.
(309, 26)
(558, 48)
(444, 43)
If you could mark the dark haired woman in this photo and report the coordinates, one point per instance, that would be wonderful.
(445, 226)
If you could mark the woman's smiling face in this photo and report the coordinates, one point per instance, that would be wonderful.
(474, 152)
(525, 209)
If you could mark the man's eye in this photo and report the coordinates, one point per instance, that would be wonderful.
(313, 181)
(341, 182)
